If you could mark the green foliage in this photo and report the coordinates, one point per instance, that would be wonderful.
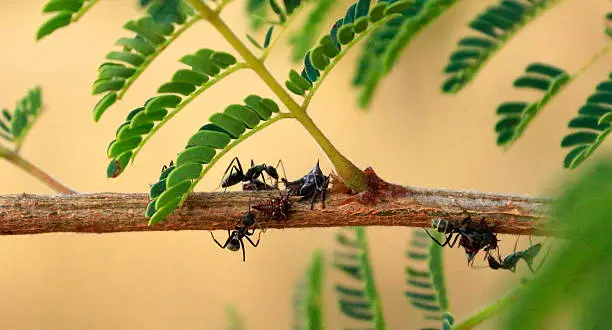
(15, 125)
(173, 187)
(305, 37)
(283, 13)
(359, 19)
(576, 278)
(308, 296)
(258, 13)
(154, 33)
(516, 116)
(384, 47)
(234, 320)
(65, 12)
(207, 67)
(593, 124)
(427, 290)
(496, 24)
(359, 301)
(609, 24)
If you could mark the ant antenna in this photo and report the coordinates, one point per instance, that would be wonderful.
(280, 162)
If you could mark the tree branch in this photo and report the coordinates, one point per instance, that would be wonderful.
(411, 207)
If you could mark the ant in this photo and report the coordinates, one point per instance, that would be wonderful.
(237, 175)
(275, 208)
(234, 238)
(311, 185)
(171, 165)
(471, 239)
(510, 261)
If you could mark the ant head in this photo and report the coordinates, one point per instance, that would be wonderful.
(234, 243)
(272, 172)
(441, 225)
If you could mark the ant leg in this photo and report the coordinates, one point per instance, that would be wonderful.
(324, 192)
(243, 252)
(221, 246)
(280, 162)
(254, 244)
(451, 245)
(314, 197)
(435, 240)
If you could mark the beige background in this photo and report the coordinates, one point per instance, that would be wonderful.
(412, 135)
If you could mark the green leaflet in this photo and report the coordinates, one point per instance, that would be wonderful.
(591, 127)
(305, 37)
(359, 300)
(426, 288)
(162, 24)
(386, 43)
(582, 215)
(496, 25)
(175, 183)
(234, 320)
(345, 32)
(609, 24)
(258, 12)
(516, 116)
(65, 12)
(308, 296)
(15, 125)
(143, 122)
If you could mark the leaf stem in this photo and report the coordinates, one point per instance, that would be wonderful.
(487, 311)
(33, 170)
(340, 55)
(83, 10)
(141, 68)
(186, 101)
(592, 60)
(354, 178)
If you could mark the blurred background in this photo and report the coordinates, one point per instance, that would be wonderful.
(412, 135)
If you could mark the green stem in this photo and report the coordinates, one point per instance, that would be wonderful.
(487, 312)
(340, 55)
(86, 6)
(186, 101)
(592, 60)
(230, 146)
(266, 52)
(191, 21)
(354, 178)
(33, 170)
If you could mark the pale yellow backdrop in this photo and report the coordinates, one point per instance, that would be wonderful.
(412, 135)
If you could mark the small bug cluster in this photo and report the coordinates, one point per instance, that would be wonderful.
(474, 239)
(311, 186)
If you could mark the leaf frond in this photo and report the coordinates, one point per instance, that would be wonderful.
(609, 24)
(206, 68)
(581, 214)
(496, 25)
(308, 296)
(425, 278)
(258, 13)
(303, 38)
(237, 123)
(515, 117)
(234, 320)
(359, 21)
(154, 33)
(385, 45)
(65, 12)
(359, 301)
(591, 127)
(15, 125)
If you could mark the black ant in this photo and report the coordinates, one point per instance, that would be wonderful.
(171, 165)
(471, 239)
(237, 175)
(311, 185)
(234, 238)
(510, 261)
(275, 208)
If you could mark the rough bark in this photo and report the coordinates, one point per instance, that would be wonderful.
(407, 206)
